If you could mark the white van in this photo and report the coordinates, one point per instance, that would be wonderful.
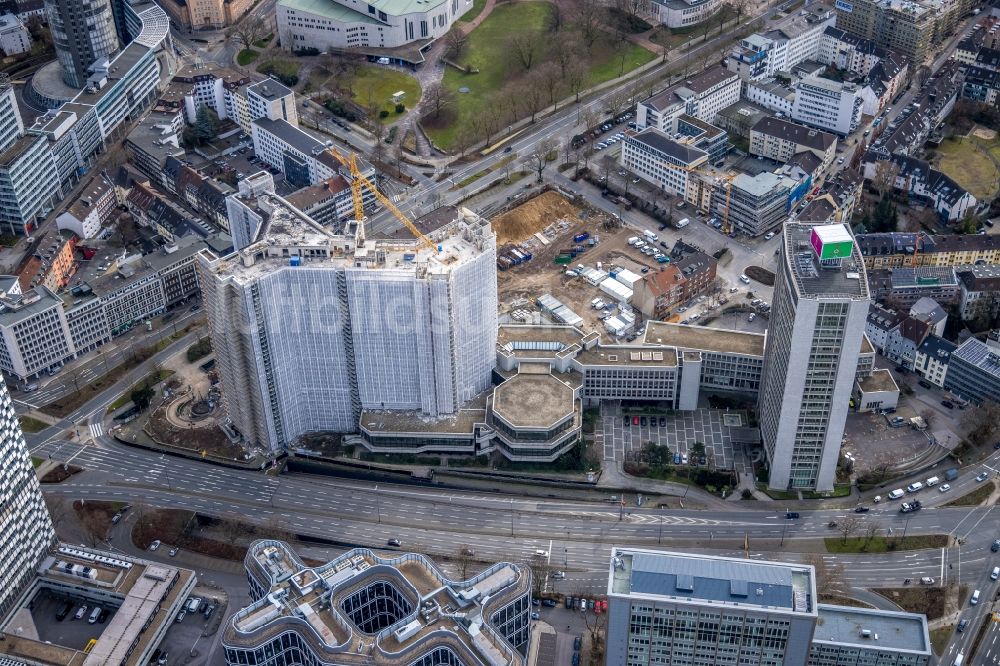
(94, 615)
(914, 487)
(896, 494)
(958, 660)
(933, 481)
(633, 240)
(683, 223)
(650, 235)
(975, 598)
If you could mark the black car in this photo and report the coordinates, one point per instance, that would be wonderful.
(926, 384)
(394, 542)
(996, 545)
(664, 245)
(626, 420)
(962, 625)
(663, 421)
(902, 370)
(948, 403)
(862, 509)
(536, 602)
(64, 611)
(548, 603)
(508, 149)
(996, 446)
(642, 421)
(102, 616)
(577, 643)
(791, 515)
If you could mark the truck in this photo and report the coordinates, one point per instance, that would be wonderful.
(579, 238)
(683, 223)
(563, 259)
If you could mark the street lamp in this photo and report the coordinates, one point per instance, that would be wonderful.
(378, 505)
(512, 516)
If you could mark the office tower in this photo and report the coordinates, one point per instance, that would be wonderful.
(817, 323)
(84, 32)
(310, 327)
(685, 609)
(679, 609)
(26, 531)
(11, 124)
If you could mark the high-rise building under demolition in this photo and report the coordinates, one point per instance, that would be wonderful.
(310, 327)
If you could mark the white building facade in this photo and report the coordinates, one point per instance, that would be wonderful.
(832, 106)
(664, 162)
(14, 35)
(821, 303)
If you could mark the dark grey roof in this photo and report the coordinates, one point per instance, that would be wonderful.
(270, 89)
(938, 348)
(659, 141)
(800, 134)
(982, 76)
(711, 579)
(988, 58)
(292, 135)
(807, 160)
(685, 89)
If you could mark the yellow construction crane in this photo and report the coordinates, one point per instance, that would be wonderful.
(357, 180)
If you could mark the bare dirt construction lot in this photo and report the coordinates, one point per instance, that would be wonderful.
(558, 219)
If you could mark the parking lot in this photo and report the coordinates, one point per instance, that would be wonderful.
(714, 428)
(70, 632)
(186, 641)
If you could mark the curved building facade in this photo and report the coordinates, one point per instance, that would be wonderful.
(361, 608)
(84, 32)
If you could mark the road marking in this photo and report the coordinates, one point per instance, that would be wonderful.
(96, 430)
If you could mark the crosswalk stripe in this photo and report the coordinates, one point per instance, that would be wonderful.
(96, 430)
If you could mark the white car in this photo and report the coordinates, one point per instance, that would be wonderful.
(769, 235)
(945, 488)
(154, 545)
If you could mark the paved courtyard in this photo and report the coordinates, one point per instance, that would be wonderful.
(716, 429)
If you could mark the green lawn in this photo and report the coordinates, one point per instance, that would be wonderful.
(246, 56)
(487, 50)
(376, 85)
(966, 163)
(941, 636)
(35, 462)
(29, 424)
(882, 544)
(151, 379)
(477, 9)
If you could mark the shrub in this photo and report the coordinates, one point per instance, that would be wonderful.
(400, 108)
(383, 114)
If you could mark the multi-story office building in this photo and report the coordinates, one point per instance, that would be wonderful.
(382, 24)
(781, 140)
(770, 94)
(753, 205)
(310, 327)
(269, 99)
(685, 609)
(25, 524)
(684, 13)
(760, 56)
(39, 329)
(906, 26)
(15, 38)
(817, 325)
(668, 164)
(11, 124)
(974, 371)
(702, 96)
(832, 106)
(699, 610)
(361, 608)
(84, 32)
(29, 184)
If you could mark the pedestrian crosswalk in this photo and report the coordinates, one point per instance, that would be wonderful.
(96, 430)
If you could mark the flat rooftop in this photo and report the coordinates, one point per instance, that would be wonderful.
(462, 422)
(812, 279)
(442, 612)
(529, 336)
(730, 582)
(146, 594)
(529, 400)
(878, 381)
(704, 338)
(631, 356)
(903, 632)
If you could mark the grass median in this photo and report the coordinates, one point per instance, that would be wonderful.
(29, 424)
(976, 497)
(881, 544)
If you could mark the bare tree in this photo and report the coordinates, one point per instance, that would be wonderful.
(884, 177)
(923, 73)
(739, 6)
(849, 526)
(541, 155)
(596, 624)
(607, 164)
(59, 510)
(576, 77)
(455, 42)
(397, 157)
(465, 137)
(540, 570)
(830, 580)
(464, 560)
(378, 133)
(564, 49)
(589, 16)
(872, 528)
(981, 423)
(616, 102)
(550, 78)
(523, 48)
(95, 526)
(438, 98)
(272, 528)
(531, 96)
(249, 30)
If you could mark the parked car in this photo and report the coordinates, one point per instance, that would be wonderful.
(948, 403)
(180, 616)
(173, 551)
(926, 384)
(154, 545)
(548, 603)
(996, 545)
(577, 643)
(769, 235)
(81, 612)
